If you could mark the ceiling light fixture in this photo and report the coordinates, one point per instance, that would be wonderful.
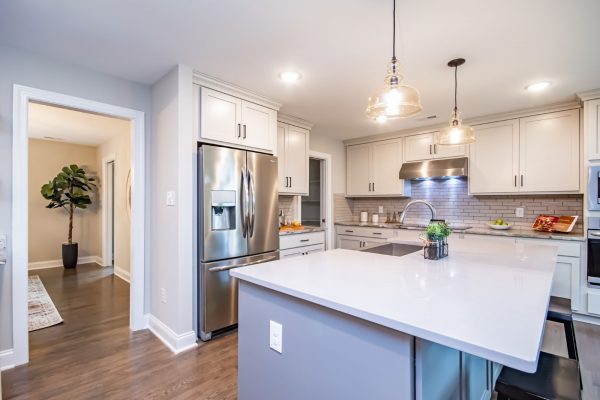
(394, 100)
(456, 133)
(537, 86)
(289, 76)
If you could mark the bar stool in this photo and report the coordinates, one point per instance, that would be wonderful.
(556, 377)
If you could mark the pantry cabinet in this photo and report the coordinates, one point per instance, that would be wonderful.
(230, 120)
(423, 147)
(292, 151)
(537, 154)
(373, 169)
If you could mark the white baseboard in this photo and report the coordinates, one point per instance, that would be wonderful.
(58, 263)
(121, 273)
(586, 318)
(7, 359)
(177, 343)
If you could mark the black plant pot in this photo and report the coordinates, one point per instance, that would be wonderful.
(69, 255)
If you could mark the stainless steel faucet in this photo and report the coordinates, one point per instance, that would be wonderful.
(410, 204)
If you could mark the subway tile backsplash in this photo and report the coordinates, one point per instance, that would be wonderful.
(452, 201)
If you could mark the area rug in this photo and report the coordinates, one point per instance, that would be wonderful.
(42, 311)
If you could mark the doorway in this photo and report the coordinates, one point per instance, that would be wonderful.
(22, 97)
(316, 209)
(110, 205)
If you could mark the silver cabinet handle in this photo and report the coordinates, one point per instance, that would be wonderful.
(239, 130)
(290, 181)
(515, 181)
(430, 149)
(244, 131)
(521, 180)
(377, 233)
(349, 231)
(373, 186)
(305, 240)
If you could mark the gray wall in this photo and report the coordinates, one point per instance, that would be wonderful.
(18, 67)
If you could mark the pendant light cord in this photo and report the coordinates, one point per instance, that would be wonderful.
(455, 88)
(394, 33)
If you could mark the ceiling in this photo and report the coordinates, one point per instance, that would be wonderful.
(341, 48)
(72, 126)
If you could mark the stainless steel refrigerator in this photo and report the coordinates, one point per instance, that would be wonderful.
(238, 226)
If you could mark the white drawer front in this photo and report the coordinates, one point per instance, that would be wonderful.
(565, 248)
(301, 239)
(301, 251)
(363, 231)
(594, 303)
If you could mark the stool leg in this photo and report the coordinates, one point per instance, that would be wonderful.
(570, 336)
(502, 396)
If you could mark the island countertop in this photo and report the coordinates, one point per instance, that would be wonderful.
(486, 300)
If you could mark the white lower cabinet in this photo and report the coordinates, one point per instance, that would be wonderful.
(301, 244)
(358, 242)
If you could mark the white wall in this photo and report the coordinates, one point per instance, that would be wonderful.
(337, 150)
(27, 69)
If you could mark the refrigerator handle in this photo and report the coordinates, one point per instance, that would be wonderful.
(243, 202)
(252, 210)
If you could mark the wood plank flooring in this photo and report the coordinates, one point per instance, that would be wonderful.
(93, 355)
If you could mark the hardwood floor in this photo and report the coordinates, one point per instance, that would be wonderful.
(93, 355)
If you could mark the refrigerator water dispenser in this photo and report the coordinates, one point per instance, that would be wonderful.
(222, 210)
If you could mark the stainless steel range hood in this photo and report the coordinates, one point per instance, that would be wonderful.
(435, 168)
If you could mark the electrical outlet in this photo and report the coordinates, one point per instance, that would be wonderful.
(276, 336)
(380, 209)
(3, 240)
(520, 212)
(163, 295)
(170, 198)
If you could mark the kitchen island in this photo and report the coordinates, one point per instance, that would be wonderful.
(364, 325)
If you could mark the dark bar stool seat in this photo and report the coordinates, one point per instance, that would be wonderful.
(556, 377)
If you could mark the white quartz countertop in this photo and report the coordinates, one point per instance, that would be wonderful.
(489, 301)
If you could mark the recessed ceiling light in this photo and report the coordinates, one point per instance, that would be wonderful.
(537, 86)
(290, 76)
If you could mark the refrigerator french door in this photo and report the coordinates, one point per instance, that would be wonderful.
(238, 203)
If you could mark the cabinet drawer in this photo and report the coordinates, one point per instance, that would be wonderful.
(565, 248)
(301, 251)
(365, 231)
(594, 302)
(301, 239)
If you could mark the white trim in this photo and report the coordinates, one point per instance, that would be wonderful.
(22, 95)
(586, 318)
(589, 95)
(7, 359)
(329, 233)
(295, 121)
(58, 263)
(176, 343)
(121, 273)
(211, 82)
(106, 247)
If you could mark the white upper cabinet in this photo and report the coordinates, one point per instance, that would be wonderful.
(537, 154)
(292, 151)
(493, 158)
(549, 152)
(373, 169)
(591, 129)
(423, 147)
(231, 120)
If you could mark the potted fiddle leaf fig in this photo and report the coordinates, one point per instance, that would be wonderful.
(68, 190)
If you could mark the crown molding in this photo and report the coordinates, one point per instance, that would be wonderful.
(526, 112)
(589, 95)
(233, 90)
(295, 121)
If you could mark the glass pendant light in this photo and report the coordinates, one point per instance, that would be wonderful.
(394, 100)
(456, 133)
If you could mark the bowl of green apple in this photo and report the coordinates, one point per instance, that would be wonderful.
(499, 224)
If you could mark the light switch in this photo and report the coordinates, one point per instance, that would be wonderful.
(276, 336)
(520, 212)
(170, 198)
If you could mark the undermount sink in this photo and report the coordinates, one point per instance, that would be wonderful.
(394, 249)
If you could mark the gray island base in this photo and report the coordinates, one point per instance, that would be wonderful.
(329, 355)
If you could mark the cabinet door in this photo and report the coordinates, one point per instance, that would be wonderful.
(418, 147)
(358, 163)
(494, 158)
(439, 151)
(257, 126)
(220, 115)
(591, 127)
(565, 282)
(296, 159)
(349, 242)
(282, 177)
(549, 152)
(475, 377)
(386, 162)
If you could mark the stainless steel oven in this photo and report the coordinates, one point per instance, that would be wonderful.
(594, 188)
(593, 251)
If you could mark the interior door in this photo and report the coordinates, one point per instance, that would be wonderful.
(257, 127)
(418, 147)
(386, 163)
(358, 165)
(263, 233)
(549, 152)
(220, 116)
(494, 158)
(296, 159)
(220, 173)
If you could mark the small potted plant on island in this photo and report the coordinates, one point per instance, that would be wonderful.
(68, 190)
(436, 240)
